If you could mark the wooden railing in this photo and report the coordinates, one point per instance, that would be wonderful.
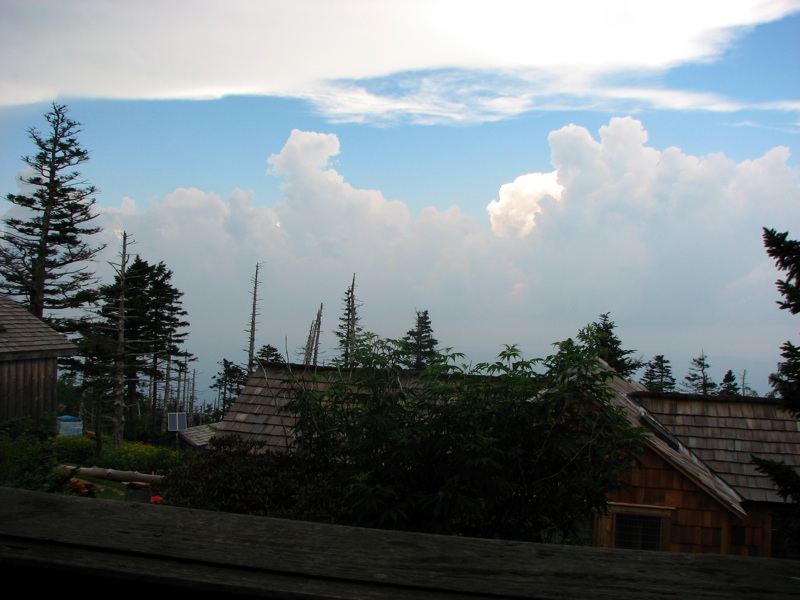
(60, 544)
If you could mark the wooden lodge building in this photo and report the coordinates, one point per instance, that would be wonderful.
(724, 432)
(29, 353)
(694, 491)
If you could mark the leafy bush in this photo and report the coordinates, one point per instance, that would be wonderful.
(232, 475)
(515, 449)
(28, 457)
(75, 450)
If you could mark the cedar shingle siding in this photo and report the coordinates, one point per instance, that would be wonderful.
(29, 352)
(725, 431)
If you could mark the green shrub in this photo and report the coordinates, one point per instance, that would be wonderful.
(28, 457)
(132, 456)
(236, 476)
(140, 457)
(75, 450)
(514, 449)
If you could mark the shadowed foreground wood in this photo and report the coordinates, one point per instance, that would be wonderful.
(50, 542)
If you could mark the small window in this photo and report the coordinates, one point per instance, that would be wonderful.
(640, 532)
(176, 421)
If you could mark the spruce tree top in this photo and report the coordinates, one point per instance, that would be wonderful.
(44, 255)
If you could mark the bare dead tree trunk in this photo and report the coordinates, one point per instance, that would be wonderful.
(251, 363)
(154, 395)
(311, 351)
(191, 398)
(168, 376)
(118, 412)
(179, 387)
(316, 338)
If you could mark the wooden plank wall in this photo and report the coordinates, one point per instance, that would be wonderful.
(28, 388)
(698, 523)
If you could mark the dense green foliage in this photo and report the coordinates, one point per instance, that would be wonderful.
(602, 340)
(514, 449)
(28, 457)
(154, 322)
(132, 354)
(232, 475)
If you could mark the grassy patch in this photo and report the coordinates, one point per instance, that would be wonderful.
(106, 489)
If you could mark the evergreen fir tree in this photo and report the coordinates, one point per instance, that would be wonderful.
(658, 375)
(44, 254)
(155, 332)
(270, 354)
(142, 364)
(729, 387)
(786, 382)
(229, 383)
(601, 339)
(419, 345)
(698, 380)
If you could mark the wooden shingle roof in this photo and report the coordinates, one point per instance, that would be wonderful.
(725, 431)
(199, 435)
(680, 455)
(257, 414)
(24, 336)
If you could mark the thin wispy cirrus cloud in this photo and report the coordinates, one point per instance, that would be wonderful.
(359, 60)
(635, 199)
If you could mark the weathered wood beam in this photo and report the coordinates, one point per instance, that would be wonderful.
(48, 539)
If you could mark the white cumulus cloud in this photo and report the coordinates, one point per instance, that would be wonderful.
(667, 242)
(515, 212)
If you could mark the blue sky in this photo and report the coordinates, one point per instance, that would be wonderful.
(517, 169)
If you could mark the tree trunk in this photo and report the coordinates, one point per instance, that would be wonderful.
(119, 358)
(252, 332)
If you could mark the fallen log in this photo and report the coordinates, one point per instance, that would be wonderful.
(110, 474)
